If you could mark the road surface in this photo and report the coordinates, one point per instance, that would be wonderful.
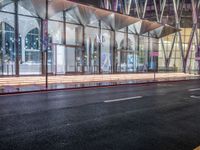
(163, 116)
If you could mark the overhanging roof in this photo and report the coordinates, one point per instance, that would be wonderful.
(87, 14)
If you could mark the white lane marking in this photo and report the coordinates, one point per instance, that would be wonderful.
(122, 99)
(192, 90)
(193, 96)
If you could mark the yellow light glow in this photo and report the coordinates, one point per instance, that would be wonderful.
(18, 81)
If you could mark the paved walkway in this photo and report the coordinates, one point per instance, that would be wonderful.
(10, 84)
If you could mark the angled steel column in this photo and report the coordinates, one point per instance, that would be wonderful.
(190, 45)
(137, 8)
(197, 33)
(156, 10)
(164, 51)
(179, 35)
(171, 50)
(145, 7)
(194, 29)
(160, 20)
(127, 6)
(162, 9)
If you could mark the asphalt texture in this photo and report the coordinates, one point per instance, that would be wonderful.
(165, 117)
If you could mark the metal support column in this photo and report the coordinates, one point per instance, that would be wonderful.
(42, 49)
(138, 52)
(46, 50)
(83, 50)
(114, 53)
(16, 39)
(100, 32)
(64, 42)
(4, 47)
(64, 26)
(148, 54)
(127, 48)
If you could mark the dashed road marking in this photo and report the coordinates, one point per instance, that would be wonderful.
(123, 99)
(192, 90)
(196, 97)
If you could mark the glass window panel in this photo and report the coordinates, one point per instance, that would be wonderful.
(56, 30)
(74, 34)
(70, 17)
(30, 54)
(91, 58)
(58, 17)
(94, 23)
(104, 25)
(7, 50)
(121, 60)
(106, 51)
(26, 8)
(7, 5)
(132, 58)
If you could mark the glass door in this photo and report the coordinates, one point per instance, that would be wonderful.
(65, 59)
(56, 62)
(126, 61)
(73, 59)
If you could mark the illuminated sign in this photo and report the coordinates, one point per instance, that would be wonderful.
(197, 58)
(100, 39)
(154, 53)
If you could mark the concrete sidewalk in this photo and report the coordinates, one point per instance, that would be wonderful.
(32, 83)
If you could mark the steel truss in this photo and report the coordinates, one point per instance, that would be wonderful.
(139, 9)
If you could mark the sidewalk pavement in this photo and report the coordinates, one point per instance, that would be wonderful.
(37, 83)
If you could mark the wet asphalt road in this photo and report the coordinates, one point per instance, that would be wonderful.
(149, 117)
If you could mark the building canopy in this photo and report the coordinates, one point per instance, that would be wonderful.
(85, 15)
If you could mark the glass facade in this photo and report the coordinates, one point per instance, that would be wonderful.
(81, 43)
(178, 52)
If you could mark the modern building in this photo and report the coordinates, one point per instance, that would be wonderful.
(179, 51)
(64, 37)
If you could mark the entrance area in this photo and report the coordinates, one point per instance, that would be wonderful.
(65, 59)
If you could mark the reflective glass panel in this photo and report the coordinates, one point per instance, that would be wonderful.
(30, 57)
(7, 48)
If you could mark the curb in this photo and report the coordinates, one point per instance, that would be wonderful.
(91, 87)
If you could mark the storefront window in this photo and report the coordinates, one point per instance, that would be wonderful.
(132, 54)
(56, 30)
(30, 58)
(121, 52)
(74, 34)
(8, 53)
(98, 51)
(107, 46)
(91, 54)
